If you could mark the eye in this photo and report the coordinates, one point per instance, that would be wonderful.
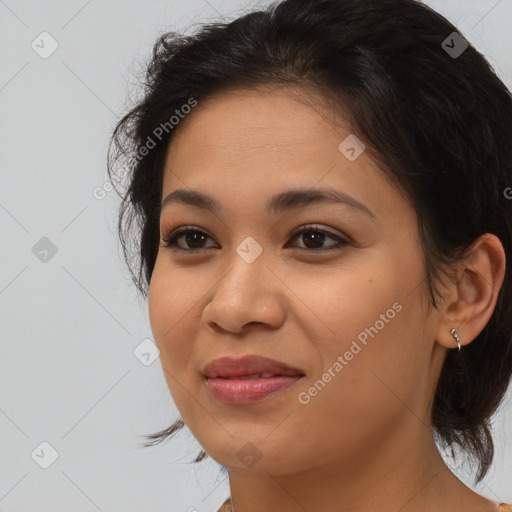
(316, 236)
(194, 238)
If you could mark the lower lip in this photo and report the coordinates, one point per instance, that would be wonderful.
(248, 391)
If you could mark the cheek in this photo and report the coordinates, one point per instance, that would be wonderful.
(345, 304)
(366, 364)
(172, 325)
(158, 305)
(170, 314)
(170, 297)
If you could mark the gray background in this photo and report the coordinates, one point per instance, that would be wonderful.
(70, 324)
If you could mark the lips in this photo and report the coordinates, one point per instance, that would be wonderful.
(248, 380)
(249, 367)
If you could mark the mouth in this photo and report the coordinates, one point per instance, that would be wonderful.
(249, 379)
(248, 366)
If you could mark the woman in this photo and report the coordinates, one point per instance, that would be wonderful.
(321, 192)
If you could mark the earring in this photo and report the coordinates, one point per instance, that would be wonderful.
(453, 332)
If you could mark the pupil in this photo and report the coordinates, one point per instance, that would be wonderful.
(315, 237)
(190, 242)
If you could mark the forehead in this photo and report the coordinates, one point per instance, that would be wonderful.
(266, 119)
(262, 142)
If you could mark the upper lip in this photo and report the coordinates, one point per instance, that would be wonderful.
(247, 365)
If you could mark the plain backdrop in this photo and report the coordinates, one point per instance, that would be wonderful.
(73, 383)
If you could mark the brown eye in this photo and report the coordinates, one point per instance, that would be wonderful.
(314, 238)
(193, 238)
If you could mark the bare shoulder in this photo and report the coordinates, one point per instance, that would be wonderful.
(226, 507)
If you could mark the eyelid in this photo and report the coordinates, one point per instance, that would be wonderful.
(315, 227)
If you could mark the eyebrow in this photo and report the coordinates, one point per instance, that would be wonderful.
(283, 202)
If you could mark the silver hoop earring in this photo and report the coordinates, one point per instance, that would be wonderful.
(453, 332)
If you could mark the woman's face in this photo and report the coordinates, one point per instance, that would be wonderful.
(350, 316)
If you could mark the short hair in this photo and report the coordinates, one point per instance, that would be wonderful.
(438, 123)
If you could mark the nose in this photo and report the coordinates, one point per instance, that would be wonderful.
(248, 293)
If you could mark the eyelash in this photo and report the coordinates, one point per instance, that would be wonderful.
(172, 237)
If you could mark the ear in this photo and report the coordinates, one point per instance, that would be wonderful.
(470, 301)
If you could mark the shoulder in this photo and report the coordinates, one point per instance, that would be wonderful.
(226, 507)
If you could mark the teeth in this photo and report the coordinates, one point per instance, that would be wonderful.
(255, 376)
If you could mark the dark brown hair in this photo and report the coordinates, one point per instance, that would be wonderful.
(439, 124)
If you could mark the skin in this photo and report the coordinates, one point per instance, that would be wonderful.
(364, 441)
